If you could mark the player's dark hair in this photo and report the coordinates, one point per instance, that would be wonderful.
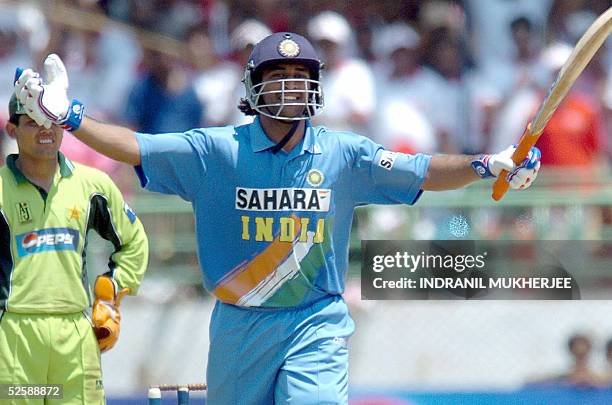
(14, 119)
(245, 107)
(521, 22)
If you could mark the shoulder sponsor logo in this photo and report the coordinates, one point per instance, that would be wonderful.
(387, 159)
(283, 199)
(129, 212)
(45, 240)
(23, 212)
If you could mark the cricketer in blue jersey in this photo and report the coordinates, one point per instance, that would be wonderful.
(273, 202)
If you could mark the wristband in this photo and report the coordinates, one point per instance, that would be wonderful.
(481, 167)
(74, 116)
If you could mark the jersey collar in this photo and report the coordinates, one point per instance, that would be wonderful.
(261, 142)
(65, 167)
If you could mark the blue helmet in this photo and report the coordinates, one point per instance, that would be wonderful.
(283, 47)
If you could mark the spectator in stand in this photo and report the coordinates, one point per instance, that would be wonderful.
(104, 58)
(164, 99)
(491, 41)
(213, 75)
(526, 52)
(466, 101)
(608, 373)
(405, 92)
(348, 81)
(244, 38)
(519, 81)
(220, 87)
(568, 20)
(173, 18)
(574, 134)
(581, 372)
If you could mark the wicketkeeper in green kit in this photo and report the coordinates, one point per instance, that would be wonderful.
(47, 206)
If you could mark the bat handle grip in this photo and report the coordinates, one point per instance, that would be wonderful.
(528, 141)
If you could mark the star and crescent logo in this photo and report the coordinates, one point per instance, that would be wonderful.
(74, 213)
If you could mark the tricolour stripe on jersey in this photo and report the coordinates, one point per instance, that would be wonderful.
(280, 276)
(247, 276)
(287, 270)
(293, 291)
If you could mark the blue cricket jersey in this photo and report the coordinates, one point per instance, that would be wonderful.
(273, 229)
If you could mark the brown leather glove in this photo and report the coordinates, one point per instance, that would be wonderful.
(105, 314)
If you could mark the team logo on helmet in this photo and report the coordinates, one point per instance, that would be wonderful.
(288, 48)
(315, 178)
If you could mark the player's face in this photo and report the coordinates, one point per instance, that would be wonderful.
(35, 141)
(282, 91)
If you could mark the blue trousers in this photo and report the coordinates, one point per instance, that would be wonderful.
(292, 356)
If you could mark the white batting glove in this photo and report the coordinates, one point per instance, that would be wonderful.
(49, 99)
(30, 104)
(519, 177)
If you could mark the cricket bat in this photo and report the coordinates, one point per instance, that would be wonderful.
(582, 54)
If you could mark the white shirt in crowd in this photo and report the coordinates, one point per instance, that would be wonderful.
(219, 90)
(348, 89)
(405, 107)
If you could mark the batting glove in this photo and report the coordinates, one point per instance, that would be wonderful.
(105, 316)
(47, 102)
(519, 177)
(29, 103)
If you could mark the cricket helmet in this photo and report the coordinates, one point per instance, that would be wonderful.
(283, 47)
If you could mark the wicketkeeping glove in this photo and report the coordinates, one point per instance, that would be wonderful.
(519, 177)
(105, 315)
(47, 102)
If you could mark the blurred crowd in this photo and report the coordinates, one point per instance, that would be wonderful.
(427, 76)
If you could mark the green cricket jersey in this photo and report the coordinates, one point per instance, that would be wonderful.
(43, 238)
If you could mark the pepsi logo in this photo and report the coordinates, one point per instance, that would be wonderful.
(48, 239)
(30, 240)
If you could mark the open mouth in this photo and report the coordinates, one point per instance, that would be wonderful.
(292, 98)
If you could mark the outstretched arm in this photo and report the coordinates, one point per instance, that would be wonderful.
(449, 172)
(118, 143)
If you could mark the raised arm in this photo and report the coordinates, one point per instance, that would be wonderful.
(47, 103)
(118, 143)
